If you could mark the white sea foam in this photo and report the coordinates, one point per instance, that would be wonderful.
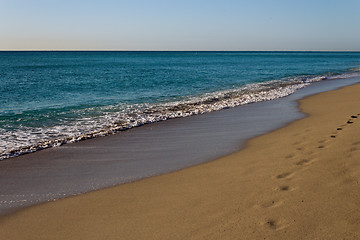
(121, 117)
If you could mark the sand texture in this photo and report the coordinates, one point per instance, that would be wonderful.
(298, 182)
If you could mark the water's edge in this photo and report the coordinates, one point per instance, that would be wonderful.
(142, 152)
(141, 115)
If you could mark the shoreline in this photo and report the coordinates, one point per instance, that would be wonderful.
(94, 164)
(107, 118)
(196, 105)
(296, 182)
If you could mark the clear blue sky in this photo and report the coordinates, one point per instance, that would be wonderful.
(180, 24)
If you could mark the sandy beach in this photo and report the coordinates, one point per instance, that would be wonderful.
(298, 182)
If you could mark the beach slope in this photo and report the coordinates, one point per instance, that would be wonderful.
(298, 182)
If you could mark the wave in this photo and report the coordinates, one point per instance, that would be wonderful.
(121, 117)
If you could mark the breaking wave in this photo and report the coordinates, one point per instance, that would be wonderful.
(115, 118)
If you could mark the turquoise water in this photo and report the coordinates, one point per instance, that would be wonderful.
(50, 98)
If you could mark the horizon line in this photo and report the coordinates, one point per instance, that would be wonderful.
(117, 50)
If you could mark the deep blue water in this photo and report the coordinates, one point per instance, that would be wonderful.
(49, 98)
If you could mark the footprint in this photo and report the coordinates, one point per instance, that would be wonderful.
(271, 223)
(284, 188)
(289, 156)
(284, 175)
(276, 224)
(339, 129)
(271, 204)
(303, 162)
(333, 136)
(353, 149)
(353, 116)
(321, 146)
(349, 122)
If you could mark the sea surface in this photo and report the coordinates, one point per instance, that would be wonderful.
(51, 98)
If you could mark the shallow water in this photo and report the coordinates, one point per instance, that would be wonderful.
(145, 151)
(51, 98)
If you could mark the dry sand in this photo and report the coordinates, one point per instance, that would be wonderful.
(298, 182)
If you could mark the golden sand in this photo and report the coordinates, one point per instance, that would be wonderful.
(298, 182)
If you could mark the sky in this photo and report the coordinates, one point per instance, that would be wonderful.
(199, 25)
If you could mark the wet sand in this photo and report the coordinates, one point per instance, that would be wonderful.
(297, 182)
(142, 152)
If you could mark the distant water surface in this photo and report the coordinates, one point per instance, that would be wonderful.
(50, 98)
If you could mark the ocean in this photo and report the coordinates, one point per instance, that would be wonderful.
(50, 98)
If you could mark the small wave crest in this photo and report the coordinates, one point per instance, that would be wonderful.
(356, 69)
